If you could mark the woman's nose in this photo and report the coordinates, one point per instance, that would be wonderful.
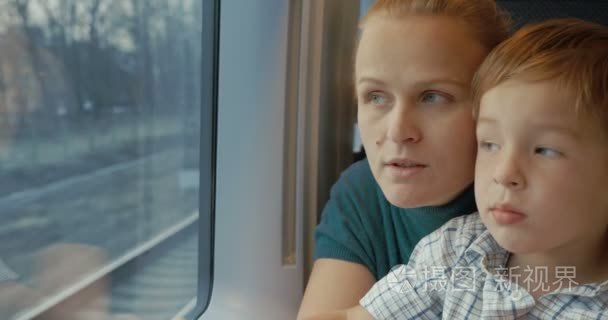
(403, 126)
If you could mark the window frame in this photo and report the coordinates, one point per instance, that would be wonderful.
(208, 148)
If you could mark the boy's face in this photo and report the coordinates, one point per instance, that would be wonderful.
(541, 177)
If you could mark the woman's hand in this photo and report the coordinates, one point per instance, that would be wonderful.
(334, 315)
(334, 285)
(355, 313)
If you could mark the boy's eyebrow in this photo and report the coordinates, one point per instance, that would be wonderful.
(538, 127)
(558, 129)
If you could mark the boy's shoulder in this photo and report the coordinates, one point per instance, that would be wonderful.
(464, 228)
(461, 230)
(448, 245)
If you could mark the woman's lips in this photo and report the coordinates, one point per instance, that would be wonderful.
(403, 172)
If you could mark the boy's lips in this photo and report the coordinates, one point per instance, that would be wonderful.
(506, 214)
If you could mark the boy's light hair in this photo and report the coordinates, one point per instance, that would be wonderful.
(570, 51)
(489, 23)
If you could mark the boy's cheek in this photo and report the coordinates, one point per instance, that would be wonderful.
(481, 170)
(482, 177)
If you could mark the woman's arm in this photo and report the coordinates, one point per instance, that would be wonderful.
(354, 313)
(334, 285)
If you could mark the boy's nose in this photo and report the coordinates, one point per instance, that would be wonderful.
(508, 183)
(508, 173)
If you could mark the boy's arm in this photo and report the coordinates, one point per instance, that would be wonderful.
(411, 291)
(334, 285)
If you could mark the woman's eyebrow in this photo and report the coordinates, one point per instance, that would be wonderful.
(485, 120)
(451, 82)
(370, 79)
(424, 83)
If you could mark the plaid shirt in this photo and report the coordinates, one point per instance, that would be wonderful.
(458, 272)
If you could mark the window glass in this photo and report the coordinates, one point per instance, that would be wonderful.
(100, 110)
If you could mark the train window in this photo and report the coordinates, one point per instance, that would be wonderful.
(365, 4)
(106, 157)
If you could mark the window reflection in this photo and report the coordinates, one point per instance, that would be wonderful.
(99, 124)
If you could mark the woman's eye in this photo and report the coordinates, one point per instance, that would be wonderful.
(434, 97)
(547, 152)
(488, 146)
(377, 99)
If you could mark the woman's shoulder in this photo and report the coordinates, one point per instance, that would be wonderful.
(358, 194)
(351, 223)
(359, 170)
(355, 179)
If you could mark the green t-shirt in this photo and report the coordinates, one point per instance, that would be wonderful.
(358, 223)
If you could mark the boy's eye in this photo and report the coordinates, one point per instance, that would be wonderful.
(488, 146)
(433, 97)
(547, 152)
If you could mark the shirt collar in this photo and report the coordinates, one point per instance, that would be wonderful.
(487, 253)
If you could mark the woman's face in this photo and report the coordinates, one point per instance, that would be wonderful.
(414, 111)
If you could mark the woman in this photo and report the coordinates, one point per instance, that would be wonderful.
(413, 67)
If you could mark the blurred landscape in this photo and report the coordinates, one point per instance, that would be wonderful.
(99, 124)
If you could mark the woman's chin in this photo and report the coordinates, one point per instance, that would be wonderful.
(406, 198)
(422, 194)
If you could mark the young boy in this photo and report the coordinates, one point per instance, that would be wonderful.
(538, 249)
